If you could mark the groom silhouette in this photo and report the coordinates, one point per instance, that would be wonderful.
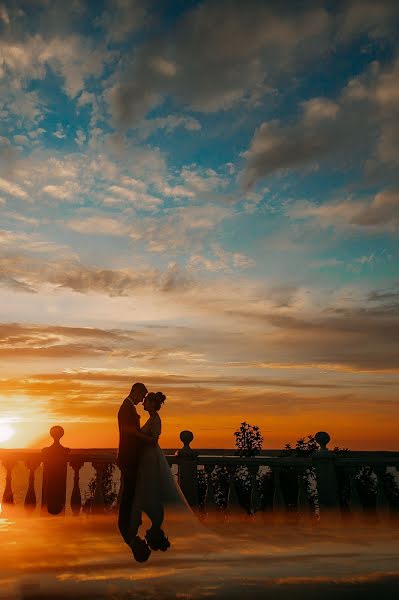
(130, 442)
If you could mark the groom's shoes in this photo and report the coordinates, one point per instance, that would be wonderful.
(140, 549)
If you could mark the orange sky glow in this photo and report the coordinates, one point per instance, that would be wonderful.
(87, 409)
(202, 196)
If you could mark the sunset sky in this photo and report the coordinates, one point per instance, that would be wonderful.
(203, 196)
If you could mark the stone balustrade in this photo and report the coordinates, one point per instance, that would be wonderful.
(322, 482)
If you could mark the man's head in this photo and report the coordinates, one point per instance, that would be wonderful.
(137, 393)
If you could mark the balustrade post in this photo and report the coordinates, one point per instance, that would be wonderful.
(187, 474)
(210, 496)
(76, 497)
(55, 460)
(278, 498)
(232, 498)
(255, 499)
(98, 502)
(355, 504)
(326, 476)
(8, 495)
(382, 503)
(30, 498)
(303, 500)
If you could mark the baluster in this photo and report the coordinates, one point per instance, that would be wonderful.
(303, 500)
(255, 498)
(76, 497)
(278, 498)
(232, 498)
(98, 503)
(355, 504)
(30, 498)
(382, 502)
(8, 496)
(210, 496)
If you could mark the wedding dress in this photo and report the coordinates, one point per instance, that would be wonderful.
(156, 486)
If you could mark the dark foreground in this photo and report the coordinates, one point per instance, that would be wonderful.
(64, 557)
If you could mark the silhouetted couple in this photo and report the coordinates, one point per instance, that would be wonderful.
(148, 484)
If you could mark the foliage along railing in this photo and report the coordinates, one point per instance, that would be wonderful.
(315, 484)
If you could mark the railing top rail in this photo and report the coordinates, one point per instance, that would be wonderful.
(110, 455)
(255, 461)
(212, 452)
(212, 456)
(19, 453)
(367, 461)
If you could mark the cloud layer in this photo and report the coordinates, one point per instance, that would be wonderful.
(206, 198)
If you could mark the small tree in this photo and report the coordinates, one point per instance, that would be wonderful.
(248, 440)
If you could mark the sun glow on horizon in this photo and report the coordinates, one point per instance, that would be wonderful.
(6, 432)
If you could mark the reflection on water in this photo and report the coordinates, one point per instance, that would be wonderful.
(85, 557)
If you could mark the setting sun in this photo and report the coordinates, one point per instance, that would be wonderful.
(6, 432)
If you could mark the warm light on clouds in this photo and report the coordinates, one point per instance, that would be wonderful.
(210, 206)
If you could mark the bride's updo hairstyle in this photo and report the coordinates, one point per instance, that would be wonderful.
(156, 399)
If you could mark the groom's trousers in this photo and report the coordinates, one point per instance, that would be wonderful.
(128, 481)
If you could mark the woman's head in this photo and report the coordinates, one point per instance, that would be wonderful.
(153, 401)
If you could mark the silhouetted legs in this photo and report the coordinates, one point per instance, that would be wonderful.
(125, 508)
(156, 516)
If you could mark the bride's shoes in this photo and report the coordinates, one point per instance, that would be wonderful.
(157, 540)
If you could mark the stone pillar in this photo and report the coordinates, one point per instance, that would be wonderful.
(30, 498)
(255, 498)
(98, 502)
(8, 496)
(326, 476)
(278, 498)
(76, 498)
(188, 469)
(55, 460)
(303, 500)
(210, 496)
(382, 501)
(355, 503)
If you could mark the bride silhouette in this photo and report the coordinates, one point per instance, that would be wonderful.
(155, 488)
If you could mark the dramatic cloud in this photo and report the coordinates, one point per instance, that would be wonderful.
(363, 117)
(122, 18)
(27, 60)
(71, 274)
(138, 240)
(208, 62)
(380, 214)
(358, 337)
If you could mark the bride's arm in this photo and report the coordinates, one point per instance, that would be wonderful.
(146, 435)
(156, 428)
(145, 438)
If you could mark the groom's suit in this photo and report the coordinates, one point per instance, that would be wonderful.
(128, 458)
